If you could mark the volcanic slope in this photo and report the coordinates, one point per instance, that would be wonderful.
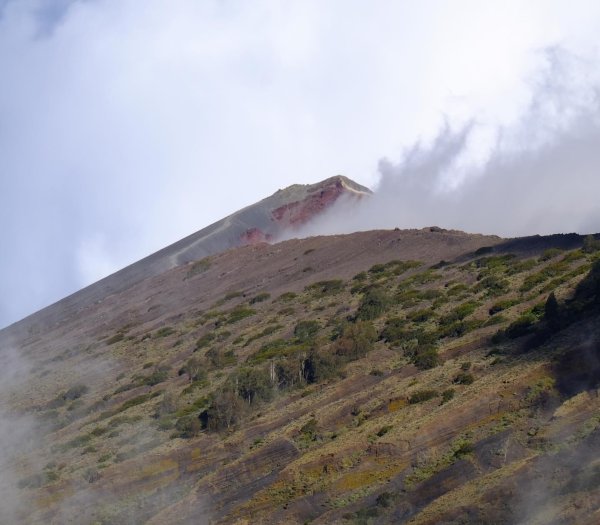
(422, 376)
(277, 216)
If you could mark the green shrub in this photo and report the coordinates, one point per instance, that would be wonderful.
(309, 432)
(456, 289)
(590, 244)
(521, 266)
(550, 253)
(493, 285)
(373, 304)
(226, 409)
(572, 256)
(275, 348)
(239, 313)
(463, 378)
(232, 295)
(463, 448)
(356, 341)
(306, 330)
(253, 384)
(219, 358)
(458, 313)
(115, 338)
(261, 297)
(156, 377)
(198, 267)
(75, 392)
(324, 288)
(268, 330)
(425, 277)
(188, 426)
(459, 328)
(421, 396)
(205, 340)
(385, 499)
(394, 330)
(420, 316)
(287, 296)
(425, 357)
(384, 430)
(165, 331)
(447, 395)
(320, 366)
(501, 305)
(377, 268)
(134, 401)
(522, 326)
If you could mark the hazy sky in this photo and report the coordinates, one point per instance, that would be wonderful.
(127, 124)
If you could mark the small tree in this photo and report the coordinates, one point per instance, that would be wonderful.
(194, 368)
(590, 244)
(306, 330)
(552, 312)
(356, 341)
(374, 303)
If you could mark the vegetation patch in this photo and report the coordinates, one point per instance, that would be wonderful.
(261, 297)
(198, 267)
(420, 396)
(325, 288)
(239, 313)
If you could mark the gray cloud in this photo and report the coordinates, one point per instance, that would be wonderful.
(538, 176)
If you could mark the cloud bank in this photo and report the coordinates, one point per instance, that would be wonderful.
(540, 175)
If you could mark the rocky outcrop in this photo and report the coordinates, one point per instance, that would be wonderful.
(319, 197)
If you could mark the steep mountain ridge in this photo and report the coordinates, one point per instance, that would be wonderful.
(265, 221)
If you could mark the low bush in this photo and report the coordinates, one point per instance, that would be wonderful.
(425, 357)
(287, 296)
(522, 326)
(115, 338)
(306, 330)
(239, 313)
(324, 288)
(420, 396)
(384, 430)
(549, 254)
(205, 340)
(501, 306)
(463, 378)
(198, 267)
(75, 392)
(373, 304)
(356, 340)
(447, 395)
(261, 297)
(165, 331)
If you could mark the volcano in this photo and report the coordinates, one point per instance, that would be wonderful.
(393, 376)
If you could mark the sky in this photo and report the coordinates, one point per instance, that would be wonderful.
(126, 124)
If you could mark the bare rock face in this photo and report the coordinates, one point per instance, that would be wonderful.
(293, 207)
(255, 236)
(319, 197)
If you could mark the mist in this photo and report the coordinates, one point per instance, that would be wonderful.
(538, 176)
